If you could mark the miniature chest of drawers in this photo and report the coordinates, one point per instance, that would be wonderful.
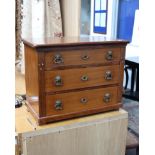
(72, 76)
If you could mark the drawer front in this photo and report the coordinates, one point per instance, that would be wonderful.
(81, 57)
(68, 79)
(75, 102)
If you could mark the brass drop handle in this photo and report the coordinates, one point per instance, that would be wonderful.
(84, 78)
(109, 55)
(107, 97)
(58, 59)
(85, 57)
(83, 100)
(108, 75)
(58, 80)
(58, 105)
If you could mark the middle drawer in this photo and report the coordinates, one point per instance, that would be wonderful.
(59, 80)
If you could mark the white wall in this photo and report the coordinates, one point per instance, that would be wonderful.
(133, 48)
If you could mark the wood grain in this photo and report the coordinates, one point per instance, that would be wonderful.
(71, 102)
(31, 76)
(72, 41)
(74, 57)
(122, 61)
(71, 78)
(41, 79)
(23, 126)
(101, 134)
(41, 73)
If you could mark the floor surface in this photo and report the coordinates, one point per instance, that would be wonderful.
(19, 83)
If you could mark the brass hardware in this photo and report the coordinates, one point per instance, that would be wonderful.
(58, 80)
(85, 57)
(84, 78)
(107, 97)
(108, 75)
(84, 100)
(41, 65)
(58, 59)
(109, 55)
(58, 105)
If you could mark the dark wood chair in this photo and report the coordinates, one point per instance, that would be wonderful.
(132, 64)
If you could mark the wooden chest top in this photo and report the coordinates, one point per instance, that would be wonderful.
(73, 76)
(72, 41)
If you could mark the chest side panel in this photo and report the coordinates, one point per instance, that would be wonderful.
(31, 77)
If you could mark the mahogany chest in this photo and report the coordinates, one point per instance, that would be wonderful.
(72, 76)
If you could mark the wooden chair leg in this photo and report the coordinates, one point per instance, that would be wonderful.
(137, 80)
(132, 79)
(127, 77)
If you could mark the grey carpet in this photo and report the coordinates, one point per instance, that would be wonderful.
(132, 107)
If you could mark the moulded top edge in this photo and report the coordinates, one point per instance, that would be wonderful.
(71, 41)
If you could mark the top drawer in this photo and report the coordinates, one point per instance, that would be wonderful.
(64, 58)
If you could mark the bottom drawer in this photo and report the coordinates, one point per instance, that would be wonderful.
(81, 101)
